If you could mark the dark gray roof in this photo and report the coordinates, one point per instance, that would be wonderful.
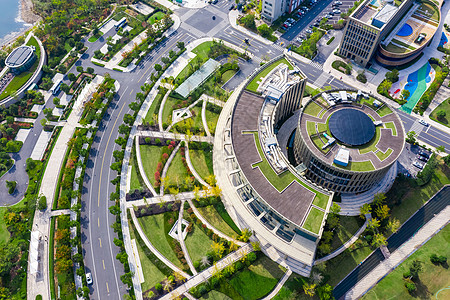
(19, 56)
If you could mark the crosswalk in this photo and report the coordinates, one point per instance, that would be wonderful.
(416, 127)
(316, 65)
(278, 47)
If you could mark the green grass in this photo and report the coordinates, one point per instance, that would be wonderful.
(384, 110)
(19, 80)
(134, 180)
(280, 182)
(152, 110)
(358, 166)
(391, 125)
(314, 220)
(253, 85)
(321, 202)
(94, 38)
(372, 145)
(176, 172)
(167, 110)
(215, 295)
(348, 226)
(395, 49)
(323, 127)
(152, 275)
(313, 109)
(211, 214)
(202, 50)
(202, 162)
(211, 120)
(382, 156)
(153, 227)
(293, 289)
(311, 127)
(156, 16)
(150, 156)
(227, 75)
(406, 197)
(4, 233)
(427, 6)
(445, 106)
(432, 278)
(197, 243)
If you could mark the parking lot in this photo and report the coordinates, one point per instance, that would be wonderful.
(409, 157)
(316, 11)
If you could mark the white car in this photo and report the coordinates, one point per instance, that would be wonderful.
(308, 31)
(337, 11)
(417, 165)
(338, 2)
(89, 278)
(423, 123)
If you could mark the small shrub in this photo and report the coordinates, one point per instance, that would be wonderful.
(251, 256)
(158, 286)
(407, 274)
(410, 286)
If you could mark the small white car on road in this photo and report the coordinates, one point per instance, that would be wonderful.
(89, 278)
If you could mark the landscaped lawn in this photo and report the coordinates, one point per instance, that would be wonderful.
(202, 50)
(311, 127)
(215, 295)
(227, 75)
(167, 110)
(314, 220)
(152, 275)
(212, 215)
(19, 80)
(93, 38)
(202, 162)
(152, 110)
(253, 85)
(372, 145)
(313, 109)
(382, 156)
(134, 180)
(348, 226)
(197, 243)
(4, 233)
(211, 120)
(156, 16)
(280, 182)
(391, 125)
(197, 122)
(445, 106)
(177, 173)
(153, 227)
(432, 278)
(383, 111)
(337, 268)
(412, 197)
(293, 289)
(150, 156)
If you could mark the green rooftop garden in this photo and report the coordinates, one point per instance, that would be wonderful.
(383, 155)
(254, 84)
(280, 182)
(371, 146)
(357, 166)
(314, 220)
(313, 109)
(384, 110)
(391, 125)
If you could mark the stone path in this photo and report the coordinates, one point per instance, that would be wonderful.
(161, 108)
(398, 256)
(205, 123)
(174, 136)
(279, 285)
(181, 240)
(166, 168)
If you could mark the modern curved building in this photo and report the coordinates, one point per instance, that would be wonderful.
(393, 32)
(21, 59)
(347, 141)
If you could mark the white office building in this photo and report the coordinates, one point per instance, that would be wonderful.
(273, 9)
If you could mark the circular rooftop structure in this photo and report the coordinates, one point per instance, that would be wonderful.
(19, 56)
(351, 127)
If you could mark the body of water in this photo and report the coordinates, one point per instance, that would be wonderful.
(10, 22)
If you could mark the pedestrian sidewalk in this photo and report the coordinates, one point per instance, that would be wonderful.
(232, 17)
(398, 256)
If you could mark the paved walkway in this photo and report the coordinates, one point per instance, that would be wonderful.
(166, 167)
(206, 274)
(347, 244)
(398, 256)
(161, 108)
(205, 123)
(174, 136)
(181, 240)
(165, 198)
(155, 251)
(279, 285)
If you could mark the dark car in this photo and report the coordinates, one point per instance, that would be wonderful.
(215, 1)
(422, 158)
(231, 7)
(424, 154)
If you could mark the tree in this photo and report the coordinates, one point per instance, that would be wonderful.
(447, 160)
(79, 69)
(309, 289)
(11, 186)
(364, 210)
(405, 94)
(180, 45)
(42, 203)
(43, 122)
(245, 235)
(335, 208)
(410, 286)
(393, 225)
(379, 240)
(248, 21)
(158, 67)
(415, 268)
(265, 30)
(72, 77)
(90, 70)
(373, 223)
(56, 101)
(379, 199)
(440, 149)
(392, 76)
(382, 211)
(325, 292)
(411, 137)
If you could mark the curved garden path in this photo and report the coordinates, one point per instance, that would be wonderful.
(153, 249)
(209, 226)
(181, 240)
(205, 123)
(141, 167)
(191, 167)
(161, 108)
(166, 167)
(347, 243)
(279, 285)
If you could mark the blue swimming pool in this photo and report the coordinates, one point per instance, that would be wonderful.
(375, 3)
(406, 30)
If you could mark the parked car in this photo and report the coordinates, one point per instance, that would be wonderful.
(423, 153)
(89, 278)
(337, 11)
(423, 123)
(231, 7)
(337, 2)
(422, 158)
(215, 1)
(285, 26)
(418, 165)
(300, 40)
(309, 31)
(328, 16)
